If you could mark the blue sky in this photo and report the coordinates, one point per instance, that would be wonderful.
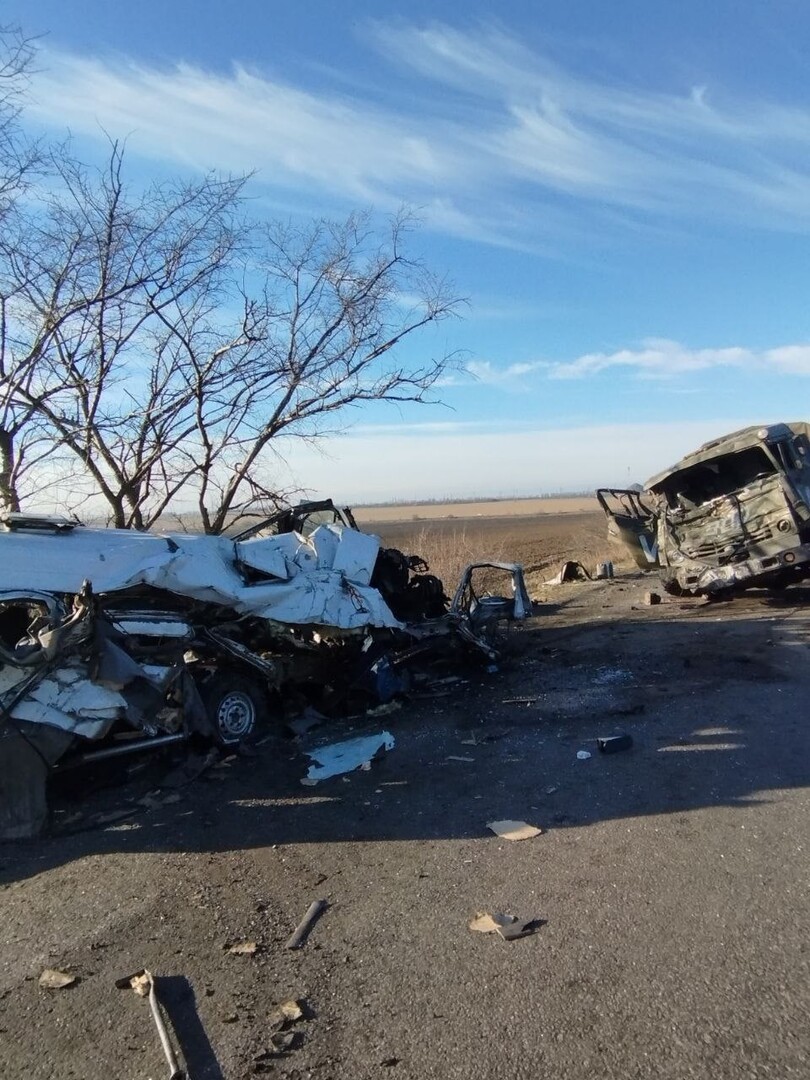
(621, 190)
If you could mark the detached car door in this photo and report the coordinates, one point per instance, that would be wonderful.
(630, 525)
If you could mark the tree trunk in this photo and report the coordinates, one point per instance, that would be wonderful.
(9, 498)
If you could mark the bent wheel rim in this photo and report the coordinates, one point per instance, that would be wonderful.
(236, 716)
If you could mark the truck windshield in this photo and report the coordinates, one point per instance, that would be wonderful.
(726, 474)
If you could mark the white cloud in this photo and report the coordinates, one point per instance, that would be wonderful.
(662, 359)
(240, 122)
(485, 161)
(484, 371)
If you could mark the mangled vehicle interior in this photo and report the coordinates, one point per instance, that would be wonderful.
(113, 642)
(735, 514)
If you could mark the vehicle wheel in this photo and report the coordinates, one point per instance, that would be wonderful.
(235, 705)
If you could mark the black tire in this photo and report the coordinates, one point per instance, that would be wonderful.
(236, 706)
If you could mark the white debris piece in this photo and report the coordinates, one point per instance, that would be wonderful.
(322, 580)
(346, 756)
(69, 701)
(513, 830)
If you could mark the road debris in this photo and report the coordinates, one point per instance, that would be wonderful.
(290, 1009)
(652, 599)
(279, 1019)
(143, 983)
(51, 979)
(346, 756)
(243, 948)
(613, 744)
(486, 923)
(509, 927)
(520, 700)
(520, 928)
(282, 1041)
(460, 757)
(569, 571)
(583, 755)
(513, 830)
(385, 709)
(299, 936)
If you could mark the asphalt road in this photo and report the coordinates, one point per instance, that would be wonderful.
(671, 880)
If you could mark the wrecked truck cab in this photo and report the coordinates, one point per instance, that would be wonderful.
(735, 514)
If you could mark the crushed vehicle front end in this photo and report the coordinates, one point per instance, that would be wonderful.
(736, 513)
(113, 642)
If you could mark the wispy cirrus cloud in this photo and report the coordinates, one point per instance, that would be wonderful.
(662, 359)
(484, 371)
(518, 150)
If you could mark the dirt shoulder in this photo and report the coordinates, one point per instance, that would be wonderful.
(671, 879)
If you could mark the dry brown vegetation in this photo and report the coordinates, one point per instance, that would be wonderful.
(486, 508)
(540, 542)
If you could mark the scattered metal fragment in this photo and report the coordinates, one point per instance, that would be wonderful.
(569, 571)
(51, 979)
(282, 1041)
(143, 983)
(486, 923)
(513, 830)
(291, 1009)
(509, 927)
(316, 908)
(385, 709)
(285, 1013)
(346, 756)
(519, 929)
(612, 744)
(459, 757)
(519, 700)
(243, 948)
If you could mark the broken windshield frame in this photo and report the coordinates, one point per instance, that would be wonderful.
(700, 484)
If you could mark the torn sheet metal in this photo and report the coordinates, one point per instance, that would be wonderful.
(320, 580)
(483, 607)
(68, 700)
(569, 571)
(346, 756)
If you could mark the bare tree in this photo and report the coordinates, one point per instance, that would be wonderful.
(318, 338)
(91, 280)
(21, 432)
(154, 351)
(18, 156)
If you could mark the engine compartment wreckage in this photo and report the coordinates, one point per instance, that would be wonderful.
(113, 641)
(733, 515)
